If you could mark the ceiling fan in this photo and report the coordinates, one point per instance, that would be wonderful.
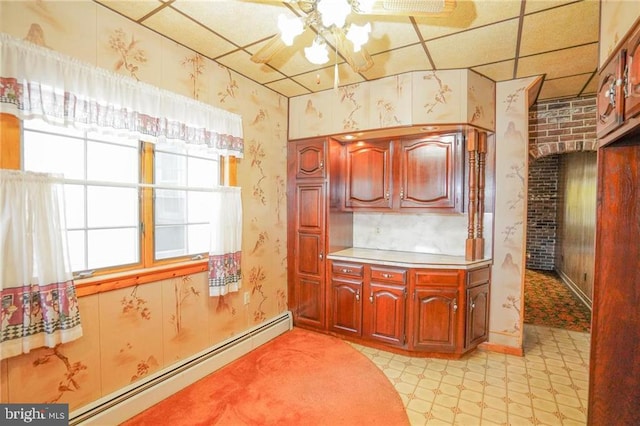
(328, 20)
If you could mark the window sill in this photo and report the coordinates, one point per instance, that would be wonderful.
(110, 282)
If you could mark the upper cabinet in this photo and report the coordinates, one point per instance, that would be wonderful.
(431, 172)
(632, 75)
(610, 98)
(310, 159)
(405, 174)
(619, 87)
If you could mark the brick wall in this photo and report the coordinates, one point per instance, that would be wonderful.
(562, 125)
(555, 127)
(542, 212)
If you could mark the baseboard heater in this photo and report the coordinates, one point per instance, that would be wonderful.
(133, 399)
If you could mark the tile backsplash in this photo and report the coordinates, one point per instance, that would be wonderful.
(423, 233)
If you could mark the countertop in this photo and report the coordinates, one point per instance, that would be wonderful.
(406, 259)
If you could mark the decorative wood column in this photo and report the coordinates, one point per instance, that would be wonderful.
(472, 148)
(482, 157)
(477, 150)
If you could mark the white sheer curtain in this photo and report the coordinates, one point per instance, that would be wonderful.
(39, 304)
(225, 256)
(36, 82)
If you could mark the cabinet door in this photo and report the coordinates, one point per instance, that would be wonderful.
(368, 175)
(384, 313)
(632, 75)
(309, 288)
(429, 172)
(436, 319)
(477, 315)
(610, 101)
(346, 307)
(310, 159)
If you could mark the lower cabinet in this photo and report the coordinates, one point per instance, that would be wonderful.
(418, 310)
(368, 302)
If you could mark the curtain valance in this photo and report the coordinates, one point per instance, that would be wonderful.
(37, 82)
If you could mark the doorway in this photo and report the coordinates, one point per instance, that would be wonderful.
(560, 240)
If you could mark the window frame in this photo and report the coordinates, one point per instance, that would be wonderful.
(148, 269)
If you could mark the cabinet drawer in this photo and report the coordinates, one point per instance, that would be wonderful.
(478, 276)
(429, 277)
(350, 269)
(391, 275)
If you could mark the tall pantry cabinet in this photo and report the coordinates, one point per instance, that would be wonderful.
(314, 194)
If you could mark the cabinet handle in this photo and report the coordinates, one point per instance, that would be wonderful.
(357, 295)
(346, 271)
(386, 195)
(321, 256)
(473, 306)
(455, 305)
(371, 298)
(402, 193)
(384, 275)
(321, 164)
(626, 83)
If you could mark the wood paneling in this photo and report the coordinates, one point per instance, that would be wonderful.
(577, 220)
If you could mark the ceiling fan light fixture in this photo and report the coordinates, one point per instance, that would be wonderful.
(317, 53)
(333, 12)
(358, 35)
(289, 28)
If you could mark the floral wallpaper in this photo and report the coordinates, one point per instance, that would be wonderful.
(422, 97)
(132, 332)
(507, 275)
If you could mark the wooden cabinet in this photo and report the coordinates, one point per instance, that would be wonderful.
(436, 310)
(368, 301)
(307, 232)
(385, 313)
(405, 174)
(632, 75)
(309, 253)
(309, 158)
(610, 100)
(477, 288)
(431, 173)
(347, 281)
(368, 176)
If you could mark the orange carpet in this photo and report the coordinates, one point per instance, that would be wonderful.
(299, 378)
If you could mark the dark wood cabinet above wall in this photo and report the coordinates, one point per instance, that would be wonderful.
(408, 174)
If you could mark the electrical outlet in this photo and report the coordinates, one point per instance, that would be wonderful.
(247, 298)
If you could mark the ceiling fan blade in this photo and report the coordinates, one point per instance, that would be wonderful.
(430, 8)
(358, 61)
(269, 50)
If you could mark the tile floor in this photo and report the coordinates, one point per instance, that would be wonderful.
(548, 386)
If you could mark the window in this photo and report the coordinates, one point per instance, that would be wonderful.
(183, 181)
(105, 202)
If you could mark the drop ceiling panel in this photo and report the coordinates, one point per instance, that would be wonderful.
(468, 15)
(493, 43)
(498, 71)
(561, 63)
(390, 33)
(132, 9)
(261, 73)
(183, 30)
(323, 79)
(550, 30)
(288, 88)
(412, 58)
(231, 19)
(563, 87)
